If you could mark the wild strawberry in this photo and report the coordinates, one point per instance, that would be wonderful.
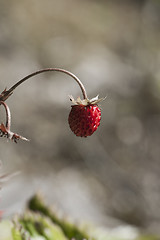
(84, 117)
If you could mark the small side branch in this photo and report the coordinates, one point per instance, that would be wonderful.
(8, 115)
(5, 129)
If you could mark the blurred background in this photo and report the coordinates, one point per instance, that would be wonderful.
(112, 177)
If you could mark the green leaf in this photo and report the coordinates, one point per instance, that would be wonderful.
(70, 230)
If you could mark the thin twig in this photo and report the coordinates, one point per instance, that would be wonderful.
(8, 115)
(7, 93)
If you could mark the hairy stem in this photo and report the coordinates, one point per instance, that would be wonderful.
(50, 70)
(8, 115)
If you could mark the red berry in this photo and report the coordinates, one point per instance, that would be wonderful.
(84, 120)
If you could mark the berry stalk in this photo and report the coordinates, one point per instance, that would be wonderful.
(6, 93)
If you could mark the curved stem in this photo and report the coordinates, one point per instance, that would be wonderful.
(8, 115)
(50, 70)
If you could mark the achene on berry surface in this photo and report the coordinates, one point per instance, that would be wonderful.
(84, 120)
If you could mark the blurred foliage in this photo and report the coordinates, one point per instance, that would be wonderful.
(70, 230)
(40, 223)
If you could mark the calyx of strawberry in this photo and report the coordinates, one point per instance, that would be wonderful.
(86, 101)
